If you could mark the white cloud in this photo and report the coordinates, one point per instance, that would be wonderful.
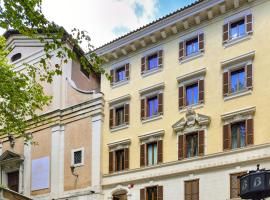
(103, 19)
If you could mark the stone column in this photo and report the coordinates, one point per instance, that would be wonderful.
(57, 161)
(27, 169)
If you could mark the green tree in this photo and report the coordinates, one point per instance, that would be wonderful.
(21, 94)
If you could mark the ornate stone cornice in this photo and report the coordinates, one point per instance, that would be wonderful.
(122, 144)
(238, 115)
(151, 137)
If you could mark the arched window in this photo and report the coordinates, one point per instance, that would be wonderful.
(16, 56)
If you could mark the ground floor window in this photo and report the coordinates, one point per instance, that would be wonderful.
(13, 181)
(235, 184)
(192, 190)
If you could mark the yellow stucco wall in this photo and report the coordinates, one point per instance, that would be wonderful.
(214, 105)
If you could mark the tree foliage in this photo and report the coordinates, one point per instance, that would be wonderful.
(21, 95)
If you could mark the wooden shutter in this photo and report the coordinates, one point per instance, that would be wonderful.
(126, 157)
(142, 194)
(181, 51)
(249, 75)
(249, 26)
(143, 63)
(126, 108)
(160, 103)
(249, 132)
(160, 151)
(201, 143)
(195, 190)
(225, 32)
(111, 165)
(111, 123)
(143, 108)
(180, 147)
(181, 97)
(160, 58)
(201, 91)
(201, 42)
(225, 84)
(226, 137)
(159, 192)
(112, 76)
(188, 190)
(142, 155)
(127, 70)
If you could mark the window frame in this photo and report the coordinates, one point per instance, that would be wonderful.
(82, 158)
(243, 18)
(235, 69)
(186, 46)
(192, 148)
(197, 181)
(154, 156)
(153, 54)
(238, 134)
(117, 81)
(149, 98)
(151, 187)
(117, 108)
(238, 184)
(122, 160)
(186, 96)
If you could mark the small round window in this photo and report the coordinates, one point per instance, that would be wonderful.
(15, 57)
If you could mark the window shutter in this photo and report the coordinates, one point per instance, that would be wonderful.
(160, 192)
(111, 118)
(225, 33)
(143, 60)
(249, 76)
(195, 189)
(201, 91)
(142, 194)
(160, 58)
(143, 109)
(180, 147)
(111, 161)
(112, 76)
(126, 164)
(126, 108)
(225, 84)
(201, 143)
(188, 190)
(181, 51)
(181, 97)
(160, 103)
(127, 70)
(142, 155)
(249, 26)
(249, 132)
(201, 42)
(226, 137)
(160, 151)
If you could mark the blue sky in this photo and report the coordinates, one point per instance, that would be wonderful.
(106, 20)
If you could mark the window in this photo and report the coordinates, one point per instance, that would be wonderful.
(13, 181)
(15, 57)
(152, 61)
(192, 46)
(238, 134)
(192, 190)
(152, 153)
(237, 80)
(235, 184)
(151, 193)
(119, 115)
(77, 157)
(192, 145)
(237, 29)
(192, 94)
(119, 160)
(238, 131)
(120, 74)
(152, 105)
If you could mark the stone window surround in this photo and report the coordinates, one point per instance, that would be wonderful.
(72, 157)
(117, 66)
(238, 115)
(151, 137)
(191, 77)
(118, 145)
(152, 90)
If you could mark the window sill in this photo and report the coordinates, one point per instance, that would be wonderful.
(77, 165)
(234, 41)
(238, 94)
(118, 128)
(150, 119)
(150, 72)
(120, 83)
(197, 106)
(191, 57)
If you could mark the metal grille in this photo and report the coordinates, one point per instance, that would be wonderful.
(77, 157)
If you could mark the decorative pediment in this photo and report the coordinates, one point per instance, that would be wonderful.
(9, 156)
(191, 122)
(122, 144)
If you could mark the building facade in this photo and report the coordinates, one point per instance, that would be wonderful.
(65, 164)
(186, 109)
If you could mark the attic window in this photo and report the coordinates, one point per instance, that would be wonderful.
(16, 56)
